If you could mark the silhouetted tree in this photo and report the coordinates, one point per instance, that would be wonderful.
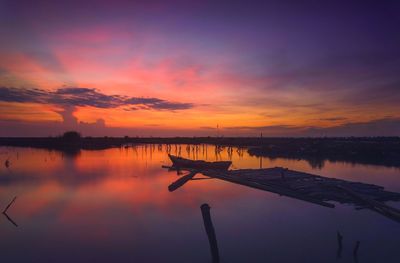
(71, 136)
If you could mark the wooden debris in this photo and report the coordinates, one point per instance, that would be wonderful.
(8, 206)
(307, 187)
(265, 185)
(374, 205)
(181, 181)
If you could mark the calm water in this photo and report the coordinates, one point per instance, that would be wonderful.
(114, 206)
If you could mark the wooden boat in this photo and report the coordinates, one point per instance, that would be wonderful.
(201, 165)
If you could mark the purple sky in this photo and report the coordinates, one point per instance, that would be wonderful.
(284, 68)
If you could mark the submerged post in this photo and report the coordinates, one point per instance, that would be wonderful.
(212, 239)
(355, 251)
(339, 240)
(7, 163)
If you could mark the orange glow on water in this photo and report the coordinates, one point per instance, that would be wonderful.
(133, 177)
(121, 194)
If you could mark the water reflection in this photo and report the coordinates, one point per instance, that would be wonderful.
(114, 206)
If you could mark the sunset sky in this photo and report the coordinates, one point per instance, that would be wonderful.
(166, 68)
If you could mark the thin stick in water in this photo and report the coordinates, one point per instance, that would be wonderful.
(10, 219)
(8, 206)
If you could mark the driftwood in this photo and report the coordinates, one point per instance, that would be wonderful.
(181, 181)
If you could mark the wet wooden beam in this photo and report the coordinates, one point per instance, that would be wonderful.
(181, 181)
(212, 239)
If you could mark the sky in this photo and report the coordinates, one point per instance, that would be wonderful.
(200, 68)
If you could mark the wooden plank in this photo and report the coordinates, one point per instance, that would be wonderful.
(302, 186)
(181, 181)
(266, 187)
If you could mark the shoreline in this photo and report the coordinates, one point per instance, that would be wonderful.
(364, 150)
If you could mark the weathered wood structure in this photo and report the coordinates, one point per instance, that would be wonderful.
(304, 186)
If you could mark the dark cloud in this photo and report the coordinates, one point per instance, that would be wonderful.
(81, 97)
(73, 91)
(15, 128)
(166, 105)
(135, 101)
(379, 127)
(156, 104)
(21, 95)
(261, 128)
(333, 119)
(269, 130)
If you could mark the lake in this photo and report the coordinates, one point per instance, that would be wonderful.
(114, 206)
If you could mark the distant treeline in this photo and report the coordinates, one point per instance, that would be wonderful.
(368, 150)
(376, 151)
